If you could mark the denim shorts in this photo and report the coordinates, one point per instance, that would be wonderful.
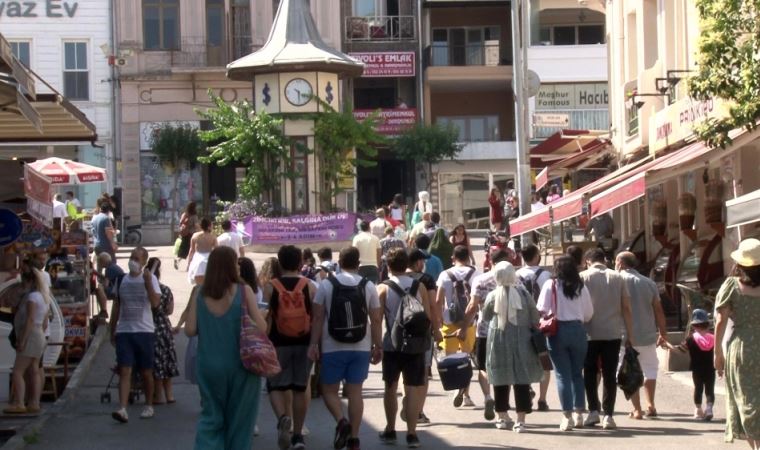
(349, 366)
(135, 350)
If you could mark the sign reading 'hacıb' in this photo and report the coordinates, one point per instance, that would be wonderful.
(300, 229)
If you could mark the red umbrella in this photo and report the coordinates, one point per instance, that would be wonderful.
(65, 171)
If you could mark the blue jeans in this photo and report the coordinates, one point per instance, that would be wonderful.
(568, 353)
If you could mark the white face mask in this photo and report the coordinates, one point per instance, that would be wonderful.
(134, 266)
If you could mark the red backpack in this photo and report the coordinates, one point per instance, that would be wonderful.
(291, 315)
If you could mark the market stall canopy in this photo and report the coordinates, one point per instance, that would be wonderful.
(563, 144)
(67, 172)
(294, 44)
(743, 210)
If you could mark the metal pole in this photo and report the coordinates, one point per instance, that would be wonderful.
(520, 68)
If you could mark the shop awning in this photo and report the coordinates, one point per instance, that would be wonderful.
(585, 158)
(562, 144)
(743, 210)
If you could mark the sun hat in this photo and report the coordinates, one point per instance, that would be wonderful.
(699, 316)
(748, 253)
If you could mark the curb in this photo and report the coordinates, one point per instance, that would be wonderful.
(72, 388)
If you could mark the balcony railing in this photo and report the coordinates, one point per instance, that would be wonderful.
(198, 52)
(381, 28)
(485, 54)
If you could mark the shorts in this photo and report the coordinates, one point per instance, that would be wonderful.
(349, 366)
(296, 369)
(648, 360)
(480, 352)
(135, 350)
(454, 344)
(35, 344)
(412, 366)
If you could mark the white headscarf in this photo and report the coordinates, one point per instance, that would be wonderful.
(507, 300)
(424, 204)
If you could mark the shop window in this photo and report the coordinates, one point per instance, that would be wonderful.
(76, 75)
(22, 51)
(474, 128)
(158, 199)
(161, 24)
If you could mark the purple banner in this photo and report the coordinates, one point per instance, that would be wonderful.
(300, 229)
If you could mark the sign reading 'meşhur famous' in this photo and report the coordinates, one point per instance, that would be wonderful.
(39, 8)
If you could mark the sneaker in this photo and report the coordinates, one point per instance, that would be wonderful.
(592, 419)
(608, 423)
(458, 399)
(353, 444)
(176, 264)
(423, 419)
(147, 413)
(120, 415)
(708, 413)
(388, 437)
(412, 441)
(342, 433)
(501, 424)
(489, 413)
(467, 401)
(256, 431)
(296, 442)
(284, 434)
(577, 420)
(304, 430)
(566, 424)
(519, 427)
(699, 414)
(543, 406)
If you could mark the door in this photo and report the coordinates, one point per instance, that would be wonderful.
(216, 55)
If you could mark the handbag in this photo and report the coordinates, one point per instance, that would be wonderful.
(538, 340)
(548, 324)
(257, 353)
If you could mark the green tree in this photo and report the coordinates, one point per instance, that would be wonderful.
(428, 145)
(176, 146)
(253, 140)
(728, 62)
(336, 134)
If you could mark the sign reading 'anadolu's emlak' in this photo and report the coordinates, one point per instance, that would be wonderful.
(38, 8)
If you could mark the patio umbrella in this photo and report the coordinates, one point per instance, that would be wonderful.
(65, 171)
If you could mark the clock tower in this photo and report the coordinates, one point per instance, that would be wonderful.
(294, 66)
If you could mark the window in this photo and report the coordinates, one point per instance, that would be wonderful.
(22, 51)
(473, 46)
(368, 8)
(241, 28)
(215, 49)
(300, 194)
(571, 34)
(564, 35)
(632, 112)
(474, 128)
(76, 76)
(161, 24)
(591, 34)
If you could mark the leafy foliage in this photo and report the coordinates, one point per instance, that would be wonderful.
(428, 144)
(252, 140)
(729, 63)
(174, 144)
(336, 133)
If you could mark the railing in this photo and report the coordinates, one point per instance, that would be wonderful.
(381, 28)
(485, 54)
(198, 52)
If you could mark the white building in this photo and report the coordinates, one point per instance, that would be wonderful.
(67, 43)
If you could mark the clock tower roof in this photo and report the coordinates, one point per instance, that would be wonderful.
(294, 44)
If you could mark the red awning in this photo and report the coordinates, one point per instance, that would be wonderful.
(627, 191)
(529, 222)
(562, 144)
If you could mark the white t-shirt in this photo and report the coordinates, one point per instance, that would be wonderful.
(378, 226)
(460, 272)
(324, 298)
(42, 309)
(538, 206)
(230, 239)
(578, 308)
(482, 285)
(368, 245)
(135, 314)
(59, 209)
(528, 273)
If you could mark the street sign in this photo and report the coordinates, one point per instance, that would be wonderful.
(550, 120)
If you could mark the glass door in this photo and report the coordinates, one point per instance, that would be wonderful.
(475, 47)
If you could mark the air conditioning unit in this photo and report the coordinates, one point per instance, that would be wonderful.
(121, 61)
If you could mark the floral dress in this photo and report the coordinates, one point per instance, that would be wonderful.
(742, 362)
(165, 356)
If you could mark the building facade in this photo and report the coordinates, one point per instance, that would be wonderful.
(68, 45)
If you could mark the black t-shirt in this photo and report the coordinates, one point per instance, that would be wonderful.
(278, 340)
(424, 279)
(701, 360)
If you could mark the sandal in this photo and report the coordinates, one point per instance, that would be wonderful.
(170, 401)
(650, 413)
(636, 415)
(15, 410)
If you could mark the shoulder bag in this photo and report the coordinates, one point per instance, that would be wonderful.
(548, 324)
(257, 353)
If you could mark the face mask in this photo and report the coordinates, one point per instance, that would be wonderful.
(134, 266)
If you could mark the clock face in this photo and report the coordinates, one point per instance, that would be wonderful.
(298, 92)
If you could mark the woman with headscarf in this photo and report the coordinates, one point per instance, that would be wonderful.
(421, 207)
(510, 358)
(442, 248)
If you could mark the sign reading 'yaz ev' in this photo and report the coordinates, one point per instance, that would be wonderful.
(39, 8)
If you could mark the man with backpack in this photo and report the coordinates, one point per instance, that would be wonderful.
(289, 318)
(407, 337)
(533, 277)
(345, 304)
(451, 300)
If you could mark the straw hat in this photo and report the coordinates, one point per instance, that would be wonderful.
(748, 253)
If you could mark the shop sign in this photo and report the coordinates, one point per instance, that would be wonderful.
(148, 128)
(572, 96)
(301, 229)
(40, 211)
(53, 9)
(549, 120)
(36, 235)
(37, 186)
(678, 121)
(391, 121)
(10, 227)
(387, 64)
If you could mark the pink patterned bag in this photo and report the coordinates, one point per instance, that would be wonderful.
(257, 353)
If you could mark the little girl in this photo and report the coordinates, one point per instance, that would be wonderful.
(701, 345)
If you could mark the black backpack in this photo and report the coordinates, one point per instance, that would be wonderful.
(348, 311)
(411, 328)
(461, 293)
(531, 284)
